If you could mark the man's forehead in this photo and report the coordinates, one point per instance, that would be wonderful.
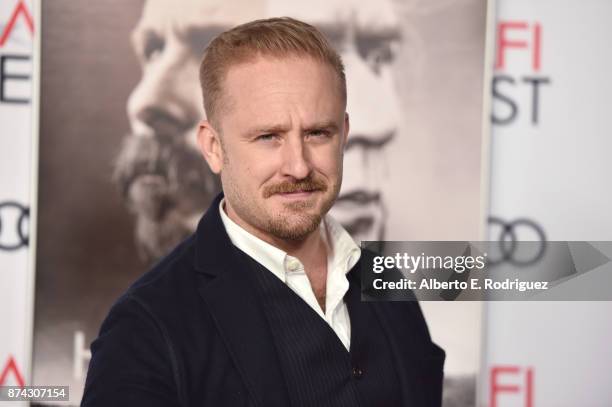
(375, 15)
(281, 85)
(158, 14)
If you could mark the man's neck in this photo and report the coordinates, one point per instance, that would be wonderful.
(311, 251)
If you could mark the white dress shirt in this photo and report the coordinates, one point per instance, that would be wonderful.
(342, 255)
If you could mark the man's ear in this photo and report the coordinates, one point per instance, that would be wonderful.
(346, 130)
(210, 146)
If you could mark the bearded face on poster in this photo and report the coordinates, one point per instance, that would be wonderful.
(165, 182)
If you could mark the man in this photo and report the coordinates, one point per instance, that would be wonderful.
(168, 188)
(262, 305)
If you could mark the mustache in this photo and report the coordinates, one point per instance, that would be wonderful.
(310, 183)
(138, 156)
(359, 225)
(168, 157)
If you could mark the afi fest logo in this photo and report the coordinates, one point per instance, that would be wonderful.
(15, 67)
(511, 382)
(518, 44)
(10, 374)
(16, 22)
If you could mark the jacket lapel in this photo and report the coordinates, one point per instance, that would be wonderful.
(225, 287)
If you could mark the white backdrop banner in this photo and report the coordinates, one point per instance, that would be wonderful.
(550, 180)
(16, 34)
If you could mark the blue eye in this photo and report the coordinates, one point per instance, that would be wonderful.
(266, 137)
(318, 133)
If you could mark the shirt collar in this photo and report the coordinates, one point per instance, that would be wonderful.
(342, 256)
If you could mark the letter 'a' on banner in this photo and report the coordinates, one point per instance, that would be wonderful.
(17, 31)
(550, 155)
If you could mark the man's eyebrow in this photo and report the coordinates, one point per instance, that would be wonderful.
(327, 125)
(280, 128)
(198, 37)
(333, 32)
(266, 129)
(359, 140)
(379, 34)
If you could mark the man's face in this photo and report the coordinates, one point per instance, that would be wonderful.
(166, 183)
(282, 137)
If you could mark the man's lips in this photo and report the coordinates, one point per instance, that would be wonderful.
(359, 225)
(300, 194)
(358, 197)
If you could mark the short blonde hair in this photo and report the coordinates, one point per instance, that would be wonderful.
(275, 37)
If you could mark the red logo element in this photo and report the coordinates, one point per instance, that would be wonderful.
(496, 388)
(504, 43)
(20, 10)
(11, 367)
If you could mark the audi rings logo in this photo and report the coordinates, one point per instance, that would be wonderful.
(510, 235)
(14, 222)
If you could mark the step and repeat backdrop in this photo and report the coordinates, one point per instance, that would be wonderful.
(16, 275)
(550, 181)
(119, 181)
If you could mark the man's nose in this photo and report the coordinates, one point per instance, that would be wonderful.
(373, 105)
(295, 158)
(161, 105)
(371, 97)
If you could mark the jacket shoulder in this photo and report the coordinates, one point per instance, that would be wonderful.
(138, 351)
